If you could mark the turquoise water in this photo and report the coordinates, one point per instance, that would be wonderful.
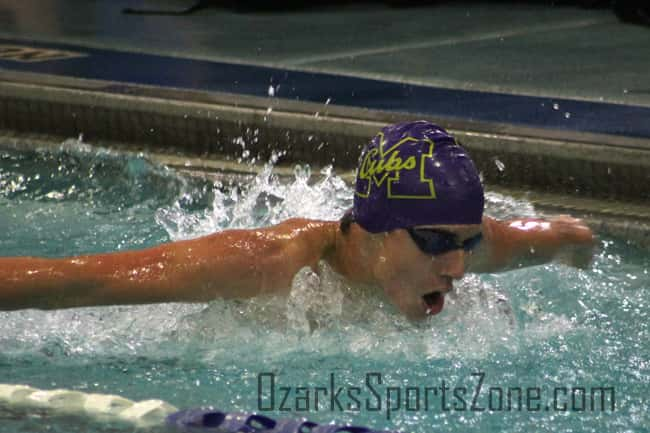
(547, 326)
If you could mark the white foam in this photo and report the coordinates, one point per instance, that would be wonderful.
(333, 315)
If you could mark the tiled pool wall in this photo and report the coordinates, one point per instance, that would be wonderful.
(215, 125)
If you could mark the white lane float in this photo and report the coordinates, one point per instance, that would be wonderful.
(102, 407)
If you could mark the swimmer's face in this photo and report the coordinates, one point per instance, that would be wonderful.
(416, 282)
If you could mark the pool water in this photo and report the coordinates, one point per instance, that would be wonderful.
(546, 327)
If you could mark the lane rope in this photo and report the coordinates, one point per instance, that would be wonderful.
(150, 413)
(102, 407)
(209, 419)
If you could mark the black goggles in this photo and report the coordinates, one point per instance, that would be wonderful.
(433, 241)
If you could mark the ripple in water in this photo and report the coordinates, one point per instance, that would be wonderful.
(549, 323)
(477, 317)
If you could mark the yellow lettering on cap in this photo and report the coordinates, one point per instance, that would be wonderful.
(380, 164)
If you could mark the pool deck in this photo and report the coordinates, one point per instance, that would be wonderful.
(550, 100)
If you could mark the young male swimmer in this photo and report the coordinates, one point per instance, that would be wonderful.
(417, 225)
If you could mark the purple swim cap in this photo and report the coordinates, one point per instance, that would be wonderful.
(414, 174)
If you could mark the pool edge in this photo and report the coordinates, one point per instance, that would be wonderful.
(206, 126)
(621, 219)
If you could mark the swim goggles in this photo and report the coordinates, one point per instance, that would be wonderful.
(434, 241)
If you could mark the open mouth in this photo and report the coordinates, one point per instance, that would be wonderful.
(433, 302)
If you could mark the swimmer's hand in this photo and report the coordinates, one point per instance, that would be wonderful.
(525, 242)
(579, 240)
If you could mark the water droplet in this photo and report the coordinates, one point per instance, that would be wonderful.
(56, 195)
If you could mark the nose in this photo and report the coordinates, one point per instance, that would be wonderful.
(452, 263)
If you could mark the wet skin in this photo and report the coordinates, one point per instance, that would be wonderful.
(248, 263)
(408, 275)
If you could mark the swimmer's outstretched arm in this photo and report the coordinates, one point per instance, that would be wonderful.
(513, 244)
(230, 264)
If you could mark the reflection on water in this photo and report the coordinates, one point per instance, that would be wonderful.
(323, 304)
(548, 324)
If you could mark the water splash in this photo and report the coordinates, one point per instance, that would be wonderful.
(536, 324)
(505, 207)
(322, 312)
(266, 200)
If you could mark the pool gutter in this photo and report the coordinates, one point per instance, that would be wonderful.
(564, 171)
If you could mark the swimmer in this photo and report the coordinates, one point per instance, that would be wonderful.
(416, 226)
